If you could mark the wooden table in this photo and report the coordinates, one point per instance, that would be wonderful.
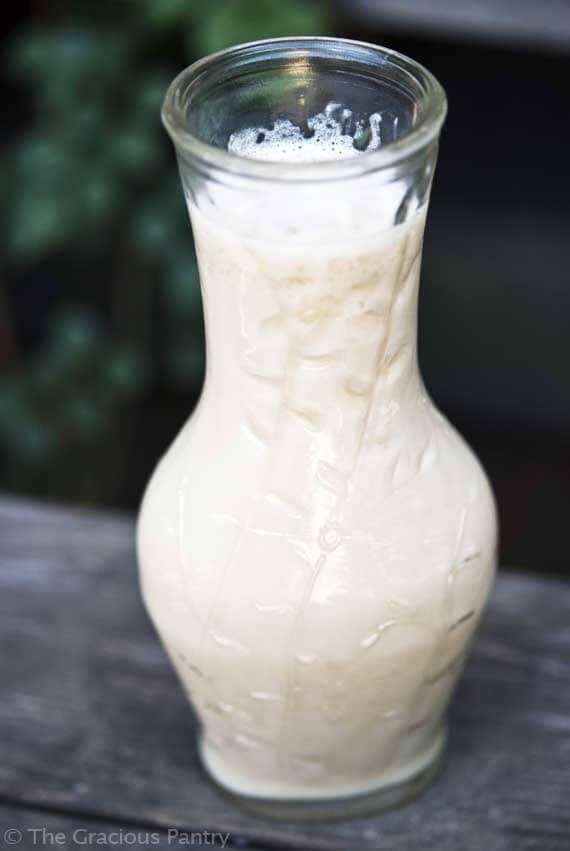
(97, 736)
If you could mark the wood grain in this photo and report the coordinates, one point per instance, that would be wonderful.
(93, 724)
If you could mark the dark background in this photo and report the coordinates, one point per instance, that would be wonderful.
(101, 345)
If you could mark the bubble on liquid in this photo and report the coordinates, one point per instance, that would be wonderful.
(332, 134)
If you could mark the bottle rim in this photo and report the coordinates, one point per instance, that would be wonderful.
(431, 108)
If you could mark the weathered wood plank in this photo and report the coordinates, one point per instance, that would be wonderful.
(506, 22)
(92, 719)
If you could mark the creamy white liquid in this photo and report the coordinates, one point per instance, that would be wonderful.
(317, 545)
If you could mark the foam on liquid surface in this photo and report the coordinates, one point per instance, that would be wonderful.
(334, 135)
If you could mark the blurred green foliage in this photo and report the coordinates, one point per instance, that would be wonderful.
(91, 189)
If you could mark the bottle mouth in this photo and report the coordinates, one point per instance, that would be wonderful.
(255, 84)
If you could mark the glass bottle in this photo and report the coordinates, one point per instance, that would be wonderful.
(317, 545)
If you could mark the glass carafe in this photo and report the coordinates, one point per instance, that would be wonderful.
(317, 545)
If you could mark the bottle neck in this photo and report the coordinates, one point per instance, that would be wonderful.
(322, 338)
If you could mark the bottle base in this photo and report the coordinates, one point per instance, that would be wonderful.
(381, 799)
